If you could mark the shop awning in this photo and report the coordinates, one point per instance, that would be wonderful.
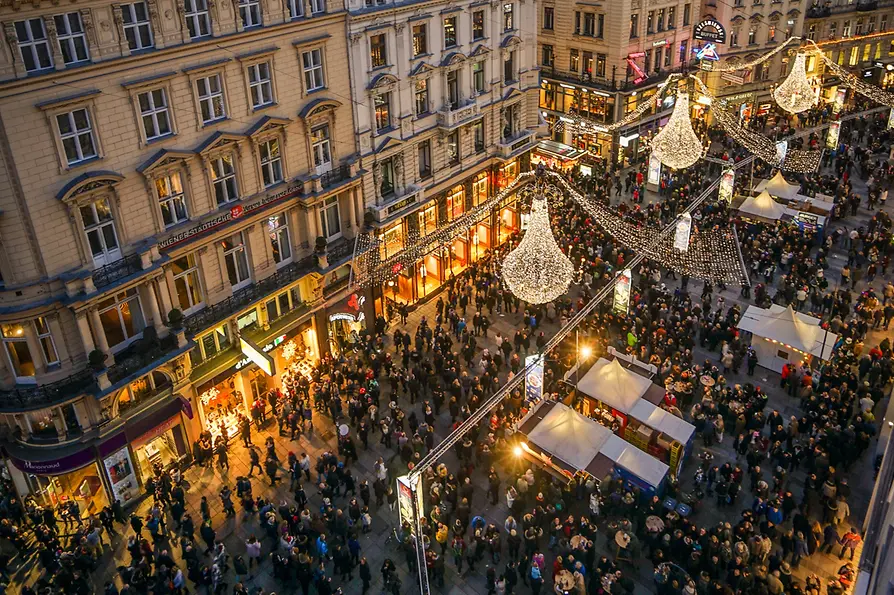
(613, 384)
(559, 150)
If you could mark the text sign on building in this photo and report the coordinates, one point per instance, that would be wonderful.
(251, 350)
(710, 30)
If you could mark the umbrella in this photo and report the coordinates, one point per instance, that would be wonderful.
(654, 523)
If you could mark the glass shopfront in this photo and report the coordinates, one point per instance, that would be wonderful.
(160, 448)
(222, 402)
(71, 478)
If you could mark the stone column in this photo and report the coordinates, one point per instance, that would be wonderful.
(147, 297)
(101, 342)
(84, 330)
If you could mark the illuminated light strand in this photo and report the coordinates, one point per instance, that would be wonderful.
(871, 91)
(796, 94)
(756, 61)
(677, 145)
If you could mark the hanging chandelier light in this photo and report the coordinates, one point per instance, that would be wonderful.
(795, 94)
(537, 271)
(677, 145)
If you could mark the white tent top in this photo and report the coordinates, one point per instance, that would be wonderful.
(569, 436)
(763, 206)
(777, 186)
(614, 385)
(663, 421)
(640, 463)
(790, 328)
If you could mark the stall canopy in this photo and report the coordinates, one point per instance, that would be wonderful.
(762, 206)
(614, 385)
(569, 436)
(793, 329)
(637, 462)
(663, 421)
(777, 186)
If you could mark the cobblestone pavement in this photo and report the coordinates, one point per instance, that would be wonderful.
(376, 546)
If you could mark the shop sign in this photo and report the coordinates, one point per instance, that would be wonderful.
(733, 78)
(534, 378)
(621, 302)
(659, 43)
(727, 182)
(234, 213)
(832, 136)
(156, 431)
(270, 346)
(405, 492)
(56, 466)
(143, 426)
(355, 306)
(186, 404)
(710, 30)
(119, 468)
(684, 230)
(625, 140)
(402, 203)
(707, 52)
(257, 355)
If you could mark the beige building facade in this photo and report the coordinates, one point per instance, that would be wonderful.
(180, 192)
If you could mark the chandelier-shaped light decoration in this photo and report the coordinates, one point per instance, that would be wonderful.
(795, 94)
(677, 145)
(537, 271)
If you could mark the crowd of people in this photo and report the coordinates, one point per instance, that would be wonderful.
(400, 390)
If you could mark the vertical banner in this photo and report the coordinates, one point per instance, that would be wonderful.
(891, 119)
(405, 500)
(727, 182)
(655, 169)
(534, 378)
(839, 99)
(832, 136)
(781, 150)
(684, 230)
(621, 302)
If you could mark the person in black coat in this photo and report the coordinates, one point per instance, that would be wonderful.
(365, 574)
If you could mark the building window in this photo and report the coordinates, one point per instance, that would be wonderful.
(386, 177)
(453, 89)
(420, 40)
(509, 68)
(478, 77)
(687, 12)
(186, 284)
(260, 84)
(752, 33)
(280, 243)
(211, 99)
(20, 358)
(549, 18)
(456, 202)
(846, 29)
(383, 111)
(660, 24)
(854, 55)
(47, 343)
(590, 24)
(250, 13)
(453, 148)
(508, 16)
(296, 8)
(734, 37)
(284, 303)
(600, 26)
(76, 134)
(330, 218)
(428, 219)
(600, 65)
(478, 135)
(154, 113)
(198, 20)
(546, 55)
(424, 157)
(378, 50)
(858, 30)
(883, 23)
(510, 116)
(71, 37)
(574, 60)
(271, 162)
(477, 25)
(223, 178)
(672, 17)
(421, 95)
(171, 199)
(450, 32)
(319, 137)
(236, 261)
(312, 62)
(137, 28)
(317, 7)
(121, 317)
(33, 45)
(99, 227)
(684, 51)
(668, 56)
(479, 189)
(216, 341)
(634, 26)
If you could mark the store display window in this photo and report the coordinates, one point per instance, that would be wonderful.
(83, 486)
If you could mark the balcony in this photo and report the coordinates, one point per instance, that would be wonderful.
(214, 315)
(46, 395)
(604, 84)
(115, 271)
(509, 146)
(336, 286)
(451, 118)
(335, 176)
(141, 354)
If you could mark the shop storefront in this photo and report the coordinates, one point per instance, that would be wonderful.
(347, 323)
(556, 155)
(54, 482)
(158, 441)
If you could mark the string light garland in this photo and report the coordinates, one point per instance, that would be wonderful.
(756, 61)
(871, 91)
(677, 145)
(537, 271)
(796, 94)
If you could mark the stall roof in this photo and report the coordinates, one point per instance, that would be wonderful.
(562, 151)
(763, 206)
(778, 186)
(790, 328)
(614, 385)
(634, 460)
(569, 436)
(663, 421)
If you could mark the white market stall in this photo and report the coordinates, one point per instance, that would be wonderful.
(762, 206)
(777, 186)
(780, 335)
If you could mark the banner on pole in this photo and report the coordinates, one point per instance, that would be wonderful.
(684, 230)
(621, 302)
(534, 378)
(405, 500)
(727, 181)
(832, 136)
(654, 169)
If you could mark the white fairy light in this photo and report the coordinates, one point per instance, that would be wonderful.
(537, 271)
(796, 94)
(677, 145)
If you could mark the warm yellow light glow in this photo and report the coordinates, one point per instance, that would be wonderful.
(586, 351)
(517, 451)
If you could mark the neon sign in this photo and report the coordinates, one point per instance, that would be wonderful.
(708, 52)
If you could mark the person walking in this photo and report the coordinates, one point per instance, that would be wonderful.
(849, 541)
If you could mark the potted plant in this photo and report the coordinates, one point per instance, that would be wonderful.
(368, 219)
(97, 360)
(175, 319)
(320, 244)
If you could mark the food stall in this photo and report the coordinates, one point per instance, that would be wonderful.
(781, 335)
